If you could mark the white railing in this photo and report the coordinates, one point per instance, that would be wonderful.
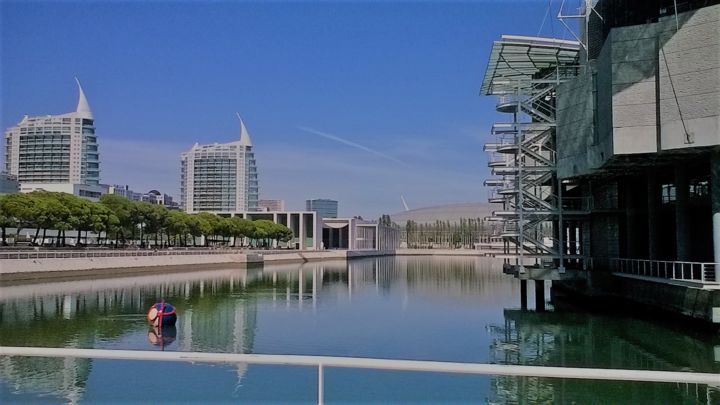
(322, 362)
(698, 272)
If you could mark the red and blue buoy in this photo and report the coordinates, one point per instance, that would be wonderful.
(162, 314)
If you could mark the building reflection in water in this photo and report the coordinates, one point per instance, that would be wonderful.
(572, 338)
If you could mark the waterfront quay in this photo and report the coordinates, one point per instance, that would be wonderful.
(39, 264)
(661, 290)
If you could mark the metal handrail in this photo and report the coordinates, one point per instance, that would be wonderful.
(698, 272)
(322, 362)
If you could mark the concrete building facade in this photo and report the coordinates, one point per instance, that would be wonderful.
(306, 226)
(638, 132)
(220, 177)
(358, 234)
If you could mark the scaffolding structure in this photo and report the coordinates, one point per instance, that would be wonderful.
(524, 72)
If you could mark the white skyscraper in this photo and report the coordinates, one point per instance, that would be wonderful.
(55, 152)
(220, 177)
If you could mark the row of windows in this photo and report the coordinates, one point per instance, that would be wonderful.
(92, 194)
(31, 179)
(213, 179)
(696, 189)
(45, 138)
(40, 168)
(56, 149)
(216, 170)
(40, 131)
(51, 120)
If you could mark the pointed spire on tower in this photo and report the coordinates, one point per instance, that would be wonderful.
(244, 135)
(83, 106)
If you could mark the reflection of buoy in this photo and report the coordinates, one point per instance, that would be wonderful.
(162, 314)
(162, 337)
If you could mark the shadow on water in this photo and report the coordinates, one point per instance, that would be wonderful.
(452, 309)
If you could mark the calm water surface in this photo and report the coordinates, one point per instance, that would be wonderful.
(424, 308)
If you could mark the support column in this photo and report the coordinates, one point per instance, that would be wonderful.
(715, 201)
(316, 241)
(301, 230)
(628, 189)
(539, 295)
(653, 206)
(682, 231)
(523, 294)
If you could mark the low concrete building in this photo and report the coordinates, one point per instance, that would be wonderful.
(358, 234)
(306, 226)
(91, 192)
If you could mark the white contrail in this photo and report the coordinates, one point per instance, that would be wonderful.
(350, 143)
(404, 203)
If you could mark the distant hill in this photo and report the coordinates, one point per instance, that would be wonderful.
(448, 212)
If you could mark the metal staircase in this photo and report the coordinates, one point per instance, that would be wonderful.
(523, 152)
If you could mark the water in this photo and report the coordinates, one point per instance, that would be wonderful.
(423, 308)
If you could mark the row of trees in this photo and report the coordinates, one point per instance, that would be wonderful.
(464, 233)
(119, 221)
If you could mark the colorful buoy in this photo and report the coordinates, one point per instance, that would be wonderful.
(162, 314)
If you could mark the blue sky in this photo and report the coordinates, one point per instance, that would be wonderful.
(399, 79)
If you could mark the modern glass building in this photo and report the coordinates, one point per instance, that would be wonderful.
(8, 184)
(54, 149)
(220, 177)
(325, 208)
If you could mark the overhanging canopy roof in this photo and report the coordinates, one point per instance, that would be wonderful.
(518, 58)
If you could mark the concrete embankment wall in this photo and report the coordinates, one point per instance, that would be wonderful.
(654, 297)
(693, 302)
(35, 268)
(40, 268)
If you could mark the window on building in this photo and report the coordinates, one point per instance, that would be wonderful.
(668, 193)
(699, 188)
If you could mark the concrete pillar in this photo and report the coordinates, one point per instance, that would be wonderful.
(539, 295)
(682, 226)
(630, 222)
(653, 206)
(523, 294)
(715, 198)
(315, 227)
(301, 230)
